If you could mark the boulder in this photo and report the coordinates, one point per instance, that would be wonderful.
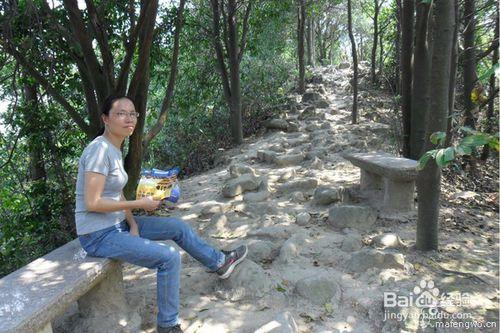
(236, 170)
(367, 258)
(319, 290)
(303, 218)
(243, 183)
(350, 216)
(325, 195)
(302, 185)
(248, 281)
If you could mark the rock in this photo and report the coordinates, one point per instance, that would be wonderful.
(326, 126)
(292, 127)
(256, 196)
(262, 250)
(291, 248)
(286, 176)
(287, 160)
(303, 218)
(308, 112)
(274, 232)
(318, 152)
(311, 97)
(266, 156)
(317, 164)
(352, 242)
(390, 240)
(322, 104)
(311, 127)
(367, 258)
(299, 185)
(237, 170)
(279, 124)
(219, 221)
(325, 195)
(298, 197)
(248, 281)
(350, 216)
(208, 211)
(243, 183)
(297, 142)
(282, 323)
(344, 65)
(319, 290)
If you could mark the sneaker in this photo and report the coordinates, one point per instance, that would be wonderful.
(171, 329)
(233, 258)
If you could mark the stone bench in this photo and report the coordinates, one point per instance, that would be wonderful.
(33, 296)
(387, 174)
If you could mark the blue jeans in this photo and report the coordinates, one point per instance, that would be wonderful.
(115, 242)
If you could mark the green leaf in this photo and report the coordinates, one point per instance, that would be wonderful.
(438, 137)
(424, 159)
(475, 140)
(329, 308)
(461, 150)
(449, 154)
(494, 144)
(440, 161)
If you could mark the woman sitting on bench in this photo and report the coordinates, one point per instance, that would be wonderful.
(107, 228)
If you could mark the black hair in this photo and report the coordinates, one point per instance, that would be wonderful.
(108, 104)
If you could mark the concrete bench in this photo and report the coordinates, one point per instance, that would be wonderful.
(33, 296)
(387, 174)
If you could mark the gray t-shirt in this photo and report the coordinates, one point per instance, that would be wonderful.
(103, 157)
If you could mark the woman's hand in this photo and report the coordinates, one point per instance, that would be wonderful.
(134, 230)
(148, 204)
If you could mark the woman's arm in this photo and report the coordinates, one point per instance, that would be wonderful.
(134, 229)
(94, 185)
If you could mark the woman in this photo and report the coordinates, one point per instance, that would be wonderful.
(107, 228)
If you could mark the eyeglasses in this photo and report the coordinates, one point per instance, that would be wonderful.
(133, 115)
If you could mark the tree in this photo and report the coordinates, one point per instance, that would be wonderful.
(355, 65)
(234, 49)
(301, 20)
(469, 61)
(428, 180)
(421, 80)
(68, 35)
(406, 78)
(377, 4)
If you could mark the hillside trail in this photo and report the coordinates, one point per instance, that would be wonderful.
(303, 272)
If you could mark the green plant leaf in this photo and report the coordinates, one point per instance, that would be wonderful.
(329, 308)
(424, 159)
(438, 138)
(449, 154)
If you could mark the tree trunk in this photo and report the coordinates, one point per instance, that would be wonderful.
(234, 70)
(375, 40)
(469, 61)
(313, 39)
(301, 15)
(428, 180)
(397, 42)
(421, 81)
(490, 113)
(453, 78)
(355, 63)
(34, 134)
(406, 55)
(309, 40)
(381, 56)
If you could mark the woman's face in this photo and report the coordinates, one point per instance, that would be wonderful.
(122, 118)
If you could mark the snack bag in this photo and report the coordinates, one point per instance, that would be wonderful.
(160, 184)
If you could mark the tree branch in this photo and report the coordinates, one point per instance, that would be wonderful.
(48, 87)
(82, 37)
(245, 30)
(218, 48)
(167, 100)
(102, 40)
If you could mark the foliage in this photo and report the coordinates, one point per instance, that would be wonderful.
(444, 156)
